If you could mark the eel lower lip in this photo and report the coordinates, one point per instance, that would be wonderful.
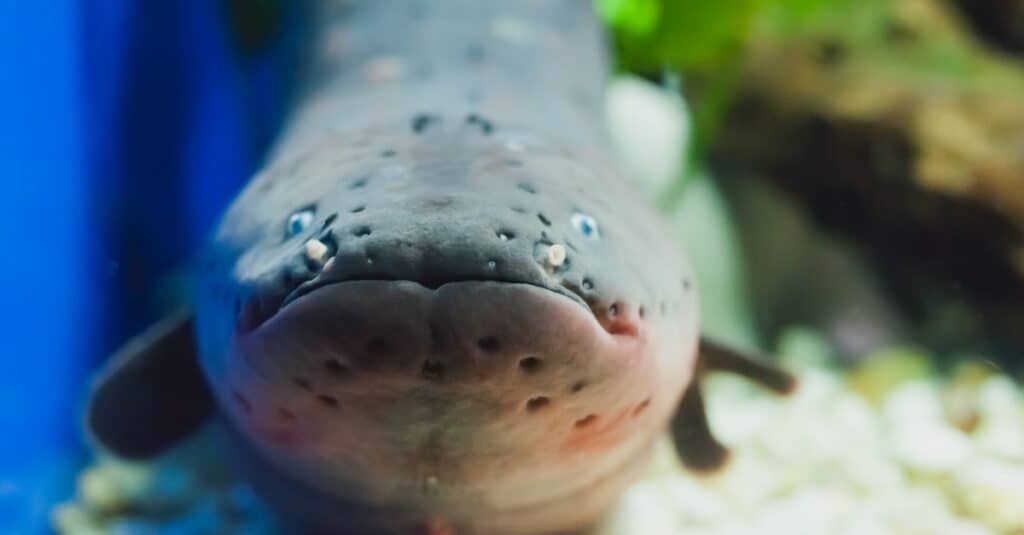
(394, 381)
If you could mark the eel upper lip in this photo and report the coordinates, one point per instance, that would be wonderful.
(308, 287)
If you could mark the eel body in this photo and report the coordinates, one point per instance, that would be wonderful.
(438, 308)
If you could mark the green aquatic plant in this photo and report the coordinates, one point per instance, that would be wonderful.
(709, 46)
(684, 37)
(678, 34)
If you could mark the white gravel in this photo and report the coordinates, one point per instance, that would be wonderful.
(825, 461)
(822, 461)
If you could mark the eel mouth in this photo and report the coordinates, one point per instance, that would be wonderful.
(318, 283)
(264, 305)
(422, 380)
(426, 394)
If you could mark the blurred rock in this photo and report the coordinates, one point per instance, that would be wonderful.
(800, 273)
(894, 126)
(993, 491)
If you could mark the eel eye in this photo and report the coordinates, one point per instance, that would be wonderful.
(586, 225)
(299, 221)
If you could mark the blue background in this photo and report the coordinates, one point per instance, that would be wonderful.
(127, 126)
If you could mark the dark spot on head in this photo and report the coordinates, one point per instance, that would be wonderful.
(358, 209)
(336, 368)
(643, 311)
(302, 383)
(586, 421)
(389, 153)
(359, 183)
(422, 121)
(527, 188)
(686, 284)
(440, 202)
(537, 403)
(544, 219)
(432, 369)
(242, 401)
(530, 364)
(488, 343)
(486, 126)
(641, 407)
(518, 209)
(662, 307)
(362, 232)
(578, 385)
(330, 401)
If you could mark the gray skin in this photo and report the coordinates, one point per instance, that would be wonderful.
(384, 321)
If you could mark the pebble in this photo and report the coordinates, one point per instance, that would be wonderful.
(73, 519)
(98, 491)
(1001, 438)
(693, 502)
(642, 510)
(803, 349)
(917, 400)
(928, 448)
(993, 492)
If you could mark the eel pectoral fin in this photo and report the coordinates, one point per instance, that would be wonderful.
(696, 445)
(152, 392)
(715, 357)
